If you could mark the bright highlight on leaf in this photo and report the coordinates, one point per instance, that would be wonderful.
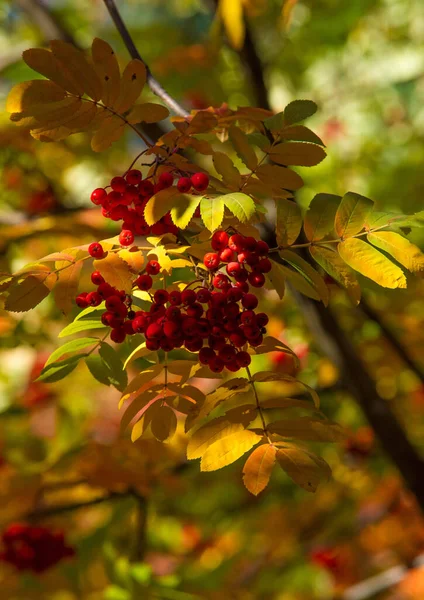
(258, 467)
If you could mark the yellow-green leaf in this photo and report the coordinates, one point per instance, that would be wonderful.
(242, 147)
(298, 281)
(208, 434)
(279, 176)
(308, 272)
(107, 69)
(138, 403)
(148, 112)
(319, 218)
(332, 264)
(258, 468)
(241, 205)
(297, 153)
(228, 450)
(225, 167)
(308, 429)
(289, 222)
(352, 214)
(26, 294)
(212, 211)
(115, 271)
(81, 70)
(407, 254)
(368, 261)
(44, 62)
(277, 279)
(160, 204)
(306, 469)
(184, 208)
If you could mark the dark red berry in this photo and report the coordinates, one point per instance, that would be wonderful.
(203, 295)
(95, 250)
(188, 297)
(256, 279)
(118, 184)
(133, 176)
(184, 185)
(200, 181)
(154, 331)
(118, 335)
(153, 267)
(152, 345)
(250, 243)
(94, 299)
(161, 296)
(81, 300)
(146, 188)
(219, 240)
(262, 248)
(221, 281)
(166, 180)
(206, 355)
(262, 319)
(249, 301)
(175, 298)
(264, 265)
(144, 282)
(216, 365)
(243, 359)
(139, 324)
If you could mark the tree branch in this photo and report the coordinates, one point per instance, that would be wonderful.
(153, 83)
(51, 511)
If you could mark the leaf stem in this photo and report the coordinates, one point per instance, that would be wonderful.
(258, 406)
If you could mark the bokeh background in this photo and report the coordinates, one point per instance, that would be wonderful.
(202, 535)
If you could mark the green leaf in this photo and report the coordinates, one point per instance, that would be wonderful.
(78, 326)
(72, 346)
(299, 110)
(184, 209)
(275, 123)
(332, 264)
(407, 254)
(365, 259)
(259, 140)
(212, 211)
(299, 282)
(242, 147)
(289, 222)
(160, 204)
(297, 153)
(116, 373)
(241, 205)
(59, 370)
(299, 133)
(319, 218)
(97, 368)
(352, 214)
(308, 272)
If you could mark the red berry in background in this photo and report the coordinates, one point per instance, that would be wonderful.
(118, 184)
(203, 296)
(216, 365)
(97, 278)
(227, 255)
(184, 185)
(94, 299)
(98, 196)
(211, 260)
(96, 250)
(243, 359)
(200, 181)
(153, 267)
(146, 188)
(81, 300)
(219, 240)
(175, 297)
(166, 180)
(249, 301)
(236, 242)
(250, 243)
(262, 319)
(118, 335)
(126, 237)
(144, 282)
(262, 248)
(133, 177)
(188, 297)
(161, 296)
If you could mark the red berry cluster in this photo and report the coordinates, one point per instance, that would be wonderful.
(33, 548)
(128, 198)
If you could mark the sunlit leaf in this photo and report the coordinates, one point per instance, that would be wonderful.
(277, 279)
(332, 264)
(70, 347)
(132, 83)
(26, 294)
(79, 326)
(258, 467)
(44, 62)
(407, 254)
(319, 218)
(241, 205)
(81, 70)
(110, 131)
(28, 94)
(308, 272)
(148, 112)
(115, 271)
(107, 68)
(228, 450)
(308, 429)
(184, 208)
(208, 434)
(160, 204)
(352, 214)
(59, 370)
(212, 212)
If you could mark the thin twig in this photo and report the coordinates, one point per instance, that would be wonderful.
(51, 511)
(153, 83)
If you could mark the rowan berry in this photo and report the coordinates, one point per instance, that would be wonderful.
(166, 344)
(139, 324)
(97, 278)
(203, 328)
(218, 299)
(105, 290)
(94, 299)
(200, 181)
(195, 310)
(98, 196)
(133, 176)
(194, 344)
(113, 303)
(250, 243)
(238, 339)
(262, 248)
(106, 318)
(231, 310)
(152, 345)
(233, 268)
(242, 286)
(146, 188)
(81, 300)
(118, 184)
(248, 317)
(216, 343)
(188, 297)
(256, 279)
(206, 355)
(175, 297)
(219, 240)
(256, 341)
(153, 267)
(227, 353)
(154, 331)
(114, 198)
(264, 265)
(161, 296)
(262, 319)
(235, 294)
(171, 329)
(203, 295)
(249, 301)
(243, 359)
(236, 242)
(226, 255)
(166, 179)
(216, 365)
(173, 313)
(126, 237)
(96, 250)
(189, 326)
(184, 185)
(144, 282)
(128, 327)
(221, 281)
(241, 275)
(158, 229)
(118, 335)
(211, 260)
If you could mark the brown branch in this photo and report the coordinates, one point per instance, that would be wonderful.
(52, 511)
(141, 528)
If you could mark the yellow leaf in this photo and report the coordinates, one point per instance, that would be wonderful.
(352, 214)
(187, 390)
(407, 254)
(184, 209)
(26, 294)
(242, 147)
(182, 368)
(148, 112)
(279, 176)
(107, 69)
(77, 117)
(225, 167)
(308, 429)
(50, 115)
(277, 278)
(269, 376)
(372, 264)
(212, 211)
(141, 379)
(308, 272)
(228, 450)
(28, 94)
(306, 469)
(76, 63)
(164, 423)
(67, 285)
(289, 222)
(109, 131)
(319, 218)
(138, 403)
(231, 13)
(202, 122)
(258, 467)
(115, 271)
(132, 83)
(133, 257)
(138, 352)
(160, 204)
(297, 153)
(332, 264)
(208, 434)
(44, 62)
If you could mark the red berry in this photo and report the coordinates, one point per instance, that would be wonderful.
(105, 290)
(152, 345)
(264, 265)
(257, 341)
(189, 326)
(233, 268)
(218, 299)
(195, 310)
(166, 344)
(81, 300)
(154, 331)
(262, 319)
(184, 185)
(203, 328)
(113, 303)
(97, 278)
(219, 240)
(232, 310)
(243, 286)
(95, 250)
(262, 248)
(144, 282)
(248, 317)
(200, 181)
(256, 279)
(216, 365)
(94, 299)
(133, 176)
(216, 343)
(118, 184)
(166, 180)
(161, 296)
(153, 267)
(232, 366)
(107, 318)
(146, 188)
(175, 298)
(234, 294)
(249, 301)
(139, 324)
(236, 242)
(250, 243)
(114, 198)
(241, 275)
(206, 355)
(211, 260)
(203, 295)
(227, 353)
(126, 237)
(118, 335)
(226, 255)
(98, 196)
(238, 339)
(158, 229)
(243, 359)
(221, 281)
(188, 297)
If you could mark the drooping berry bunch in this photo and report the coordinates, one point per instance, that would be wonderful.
(33, 548)
(129, 195)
